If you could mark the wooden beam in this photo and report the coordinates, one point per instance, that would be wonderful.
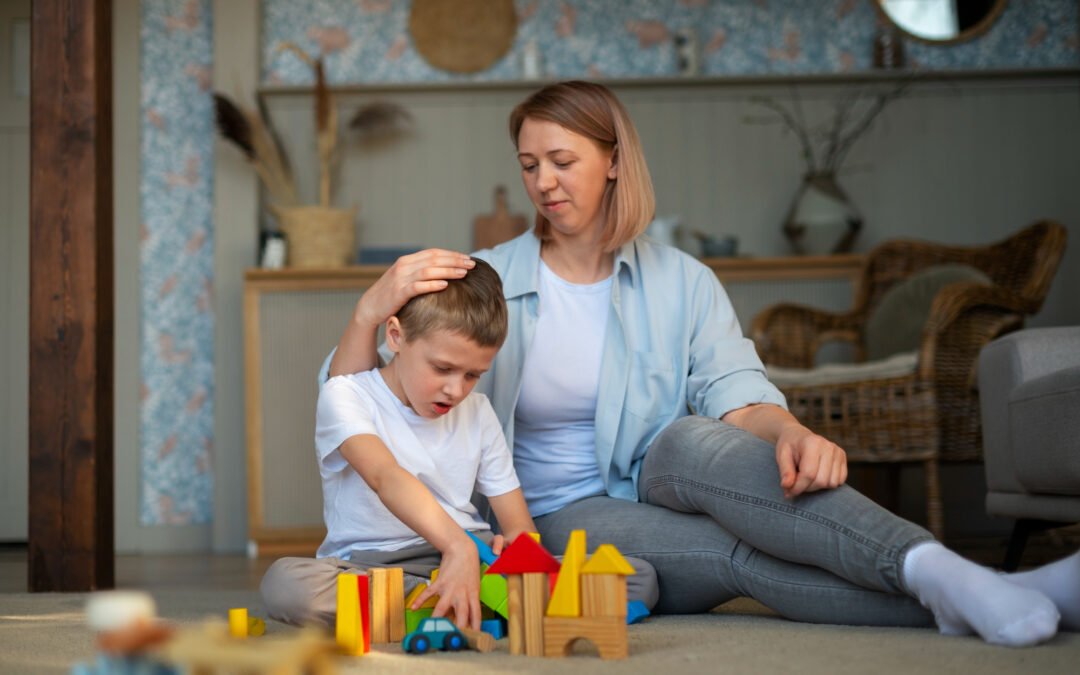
(71, 297)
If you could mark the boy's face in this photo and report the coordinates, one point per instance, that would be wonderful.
(434, 373)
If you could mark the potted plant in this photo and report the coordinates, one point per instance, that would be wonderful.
(318, 235)
(822, 218)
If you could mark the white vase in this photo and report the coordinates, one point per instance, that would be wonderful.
(822, 220)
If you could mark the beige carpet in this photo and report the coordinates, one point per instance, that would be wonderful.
(44, 633)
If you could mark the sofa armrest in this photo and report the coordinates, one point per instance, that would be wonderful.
(1004, 365)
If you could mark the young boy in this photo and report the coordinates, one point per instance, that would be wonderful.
(402, 447)
(401, 450)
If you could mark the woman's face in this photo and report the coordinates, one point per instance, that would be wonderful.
(565, 175)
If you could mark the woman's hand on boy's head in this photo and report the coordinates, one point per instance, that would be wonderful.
(409, 276)
(458, 586)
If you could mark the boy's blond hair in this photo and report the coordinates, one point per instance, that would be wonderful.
(592, 111)
(472, 306)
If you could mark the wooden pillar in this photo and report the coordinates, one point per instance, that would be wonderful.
(71, 297)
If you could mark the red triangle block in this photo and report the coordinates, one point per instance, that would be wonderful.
(524, 555)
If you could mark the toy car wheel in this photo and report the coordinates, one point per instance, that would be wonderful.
(419, 644)
(454, 642)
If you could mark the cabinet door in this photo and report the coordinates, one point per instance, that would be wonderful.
(288, 331)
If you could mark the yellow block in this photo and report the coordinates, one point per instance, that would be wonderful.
(238, 622)
(349, 637)
(256, 626)
(566, 598)
(606, 559)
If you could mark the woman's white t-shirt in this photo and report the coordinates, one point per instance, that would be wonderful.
(554, 422)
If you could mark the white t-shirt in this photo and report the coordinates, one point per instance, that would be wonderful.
(450, 455)
(554, 422)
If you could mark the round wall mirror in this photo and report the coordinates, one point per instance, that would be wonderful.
(942, 21)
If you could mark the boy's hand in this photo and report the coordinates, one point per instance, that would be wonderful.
(497, 544)
(458, 586)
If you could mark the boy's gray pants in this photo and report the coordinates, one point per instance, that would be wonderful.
(303, 591)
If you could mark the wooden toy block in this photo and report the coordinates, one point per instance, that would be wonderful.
(535, 536)
(606, 559)
(478, 639)
(238, 622)
(363, 594)
(416, 591)
(348, 627)
(608, 634)
(515, 615)
(635, 611)
(486, 554)
(493, 592)
(524, 555)
(380, 629)
(413, 617)
(495, 627)
(395, 590)
(566, 596)
(256, 626)
(209, 649)
(603, 595)
(534, 600)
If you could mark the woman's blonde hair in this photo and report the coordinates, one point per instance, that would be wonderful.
(592, 110)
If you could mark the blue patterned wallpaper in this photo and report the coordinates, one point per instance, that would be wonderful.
(368, 40)
(176, 264)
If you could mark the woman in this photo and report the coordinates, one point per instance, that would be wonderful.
(612, 337)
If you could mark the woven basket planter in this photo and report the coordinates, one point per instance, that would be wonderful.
(318, 236)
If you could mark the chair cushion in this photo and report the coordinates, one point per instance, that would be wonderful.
(896, 324)
(897, 365)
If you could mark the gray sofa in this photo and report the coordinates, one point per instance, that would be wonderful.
(1029, 388)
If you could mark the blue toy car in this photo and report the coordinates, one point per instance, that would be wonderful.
(436, 632)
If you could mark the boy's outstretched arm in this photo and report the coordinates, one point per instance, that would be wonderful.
(458, 584)
(513, 516)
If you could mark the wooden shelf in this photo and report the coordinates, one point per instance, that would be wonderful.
(727, 269)
(1070, 73)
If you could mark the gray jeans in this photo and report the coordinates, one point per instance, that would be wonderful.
(714, 523)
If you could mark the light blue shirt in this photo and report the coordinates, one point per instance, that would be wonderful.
(672, 341)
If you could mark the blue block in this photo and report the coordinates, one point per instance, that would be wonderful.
(635, 611)
(497, 627)
(486, 554)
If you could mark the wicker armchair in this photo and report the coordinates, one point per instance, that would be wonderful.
(933, 413)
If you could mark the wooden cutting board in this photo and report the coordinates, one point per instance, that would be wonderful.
(493, 229)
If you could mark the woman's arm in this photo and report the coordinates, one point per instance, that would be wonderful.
(808, 462)
(411, 275)
(458, 584)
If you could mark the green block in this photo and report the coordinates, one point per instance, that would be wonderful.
(413, 617)
(493, 593)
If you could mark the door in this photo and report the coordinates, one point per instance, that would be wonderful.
(14, 264)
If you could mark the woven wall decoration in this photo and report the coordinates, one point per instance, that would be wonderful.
(462, 36)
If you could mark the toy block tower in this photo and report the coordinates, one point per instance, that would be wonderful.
(526, 565)
(602, 619)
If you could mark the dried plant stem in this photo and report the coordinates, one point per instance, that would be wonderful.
(798, 129)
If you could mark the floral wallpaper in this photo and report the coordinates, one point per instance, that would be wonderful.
(176, 264)
(368, 40)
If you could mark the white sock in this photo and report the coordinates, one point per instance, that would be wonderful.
(966, 598)
(1060, 581)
